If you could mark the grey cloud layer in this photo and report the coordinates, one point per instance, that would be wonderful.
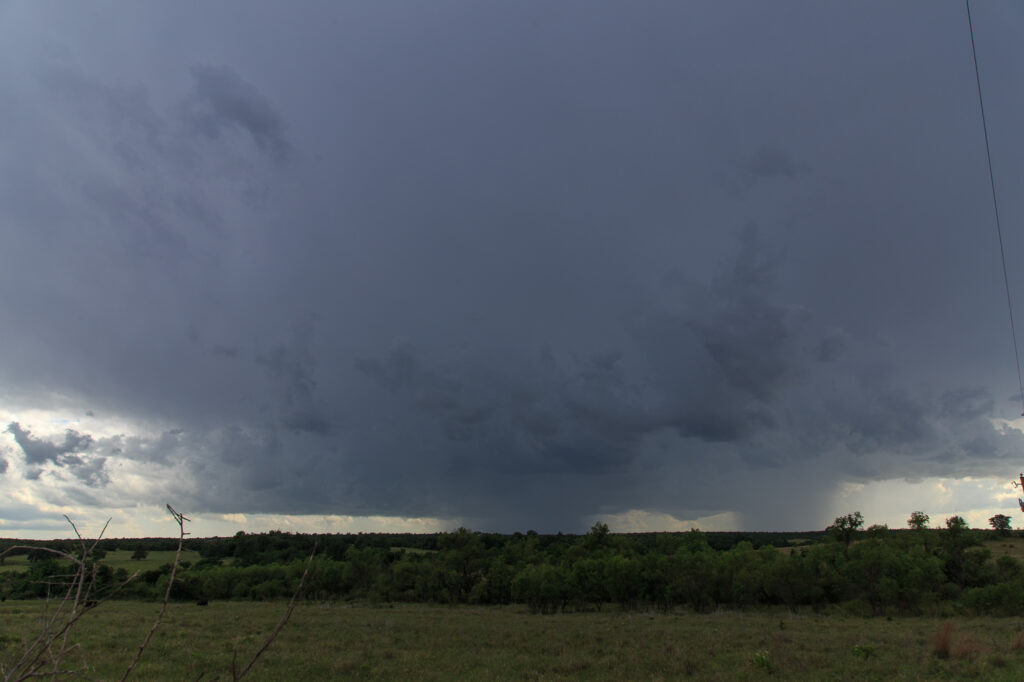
(502, 264)
(222, 99)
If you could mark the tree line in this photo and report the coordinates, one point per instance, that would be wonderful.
(871, 571)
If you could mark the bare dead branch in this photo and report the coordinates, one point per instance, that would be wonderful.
(57, 672)
(79, 583)
(66, 555)
(180, 519)
(32, 660)
(50, 647)
(281, 623)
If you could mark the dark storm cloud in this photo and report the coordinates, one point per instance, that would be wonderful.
(768, 162)
(966, 403)
(763, 165)
(398, 369)
(293, 368)
(226, 351)
(832, 345)
(747, 335)
(499, 277)
(890, 420)
(124, 110)
(222, 99)
(706, 367)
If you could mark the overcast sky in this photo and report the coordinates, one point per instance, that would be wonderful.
(511, 265)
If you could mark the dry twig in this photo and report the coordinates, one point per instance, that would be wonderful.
(180, 519)
(280, 624)
(51, 628)
(76, 602)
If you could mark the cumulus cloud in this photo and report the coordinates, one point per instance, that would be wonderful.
(69, 455)
(39, 451)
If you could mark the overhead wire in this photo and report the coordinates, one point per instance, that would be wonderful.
(995, 208)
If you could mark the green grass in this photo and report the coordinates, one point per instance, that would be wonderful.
(122, 558)
(1012, 545)
(15, 562)
(332, 641)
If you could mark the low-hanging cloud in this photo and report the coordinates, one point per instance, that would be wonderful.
(704, 379)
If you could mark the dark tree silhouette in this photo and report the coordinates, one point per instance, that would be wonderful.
(846, 527)
(918, 520)
(1001, 523)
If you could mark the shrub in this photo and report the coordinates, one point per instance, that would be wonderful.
(762, 659)
(863, 650)
(541, 587)
(1004, 599)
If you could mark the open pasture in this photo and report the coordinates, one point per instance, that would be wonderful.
(15, 562)
(1009, 545)
(332, 641)
(122, 558)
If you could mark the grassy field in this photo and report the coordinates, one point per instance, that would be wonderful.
(121, 558)
(1014, 546)
(17, 562)
(332, 641)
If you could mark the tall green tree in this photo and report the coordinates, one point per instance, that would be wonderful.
(845, 528)
(1001, 523)
(598, 537)
(541, 586)
(961, 567)
(956, 526)
(918, 520)
(463, 552)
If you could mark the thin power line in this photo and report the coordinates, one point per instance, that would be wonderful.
(995, 207)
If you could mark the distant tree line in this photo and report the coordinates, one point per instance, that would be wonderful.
(282, 547)
(873, 571)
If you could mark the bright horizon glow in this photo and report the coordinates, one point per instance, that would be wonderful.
(157, 522)
(888, 502)
(891, 502)
(882, 502)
